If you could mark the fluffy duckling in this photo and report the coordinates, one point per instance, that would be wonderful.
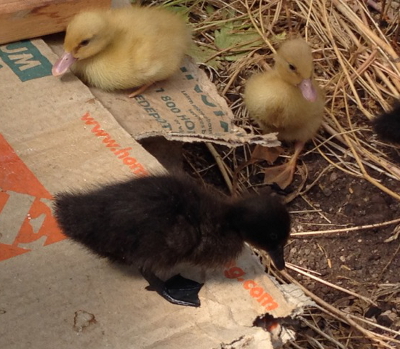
(287, 100)
(157, 222)
(387, 125)
(125, 47)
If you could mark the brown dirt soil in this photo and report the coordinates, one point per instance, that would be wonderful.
(360, 261)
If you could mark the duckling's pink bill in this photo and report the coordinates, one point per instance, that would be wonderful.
(63, 64)
(308, 90)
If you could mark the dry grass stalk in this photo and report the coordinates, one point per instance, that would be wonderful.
(366, 62)
(221, 165)
(331, 310)
(346, 230)
(354, 294)
(323, 334)
(358, 68)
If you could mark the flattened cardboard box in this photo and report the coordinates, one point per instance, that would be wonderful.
(56, 136)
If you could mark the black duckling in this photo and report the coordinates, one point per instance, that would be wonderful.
(157, 222)
(387, 125)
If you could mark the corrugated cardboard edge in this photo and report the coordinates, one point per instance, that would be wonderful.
(146, 115)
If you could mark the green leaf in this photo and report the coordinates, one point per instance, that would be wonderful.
(203, 54)
(239, 40)
(179, 10)
(210, 9)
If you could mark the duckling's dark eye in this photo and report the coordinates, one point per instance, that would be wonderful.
(84, 42)
(292, 67)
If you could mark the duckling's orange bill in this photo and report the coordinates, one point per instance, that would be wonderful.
(63, 63)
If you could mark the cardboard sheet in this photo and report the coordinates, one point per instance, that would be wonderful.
(54, 136)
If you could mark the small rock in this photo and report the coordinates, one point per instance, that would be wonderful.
(384, 320)
(333, 177)
(306, 251)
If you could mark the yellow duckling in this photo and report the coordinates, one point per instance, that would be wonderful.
(125, 47)
(287, 100)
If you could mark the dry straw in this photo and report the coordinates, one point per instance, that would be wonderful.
(358, 67)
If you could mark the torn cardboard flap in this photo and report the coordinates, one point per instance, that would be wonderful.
(186, 108)
(56, 136)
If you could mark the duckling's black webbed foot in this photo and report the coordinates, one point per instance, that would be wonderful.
(182, 291)
(176, 290)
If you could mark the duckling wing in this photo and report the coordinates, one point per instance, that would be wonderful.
(267, 100)
(280, 107)
(183, 236)
(152, 222)
(149, 46)
(100, 220)
(167, 243)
